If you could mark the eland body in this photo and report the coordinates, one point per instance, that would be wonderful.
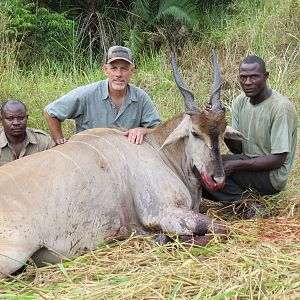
(99, 185)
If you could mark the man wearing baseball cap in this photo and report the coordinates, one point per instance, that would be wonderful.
(113, 102)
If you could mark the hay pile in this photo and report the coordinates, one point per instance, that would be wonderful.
(261, 260)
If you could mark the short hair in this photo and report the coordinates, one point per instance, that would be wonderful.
(252, 59)
(11, 101)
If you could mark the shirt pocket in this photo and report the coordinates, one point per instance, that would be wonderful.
(130, 117)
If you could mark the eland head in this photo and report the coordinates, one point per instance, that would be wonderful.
(203, 131)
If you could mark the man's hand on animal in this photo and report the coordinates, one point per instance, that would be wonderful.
(136, 135)
(208, 106)
(61, 141)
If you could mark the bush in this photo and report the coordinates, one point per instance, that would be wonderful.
(37, 31)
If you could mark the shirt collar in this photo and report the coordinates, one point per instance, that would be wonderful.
(129, 95)
(3, 139)
(29, 138)
(105, 93)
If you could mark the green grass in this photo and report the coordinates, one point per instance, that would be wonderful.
(261, 259)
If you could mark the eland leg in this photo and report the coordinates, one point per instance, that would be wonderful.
(13, 254)
(193, 227)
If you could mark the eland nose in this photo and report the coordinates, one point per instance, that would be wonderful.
(219, 181)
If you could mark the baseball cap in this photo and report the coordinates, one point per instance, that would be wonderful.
(119, 52)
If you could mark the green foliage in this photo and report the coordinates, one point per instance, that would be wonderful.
(38, 32)
(99, 22)
(183, 11)
(159, 23)
(72, 29)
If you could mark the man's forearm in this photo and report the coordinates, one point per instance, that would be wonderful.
(54, 125)
(263, 163)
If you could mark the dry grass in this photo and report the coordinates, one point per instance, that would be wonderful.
(261, 260)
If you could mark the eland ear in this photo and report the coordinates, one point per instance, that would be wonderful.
(181, 131)
(233, 134)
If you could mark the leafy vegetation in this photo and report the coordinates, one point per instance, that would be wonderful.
(36, 31)
(89, 27)
(261, 259)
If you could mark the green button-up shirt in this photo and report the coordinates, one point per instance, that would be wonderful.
(35, 141)
(91, 106)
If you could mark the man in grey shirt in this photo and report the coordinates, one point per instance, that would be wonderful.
(111, 102)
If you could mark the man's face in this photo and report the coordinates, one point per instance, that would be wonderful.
(119, 73)
(252, 79)
(14, 120)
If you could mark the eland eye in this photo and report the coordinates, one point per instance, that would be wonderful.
(196, 135)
